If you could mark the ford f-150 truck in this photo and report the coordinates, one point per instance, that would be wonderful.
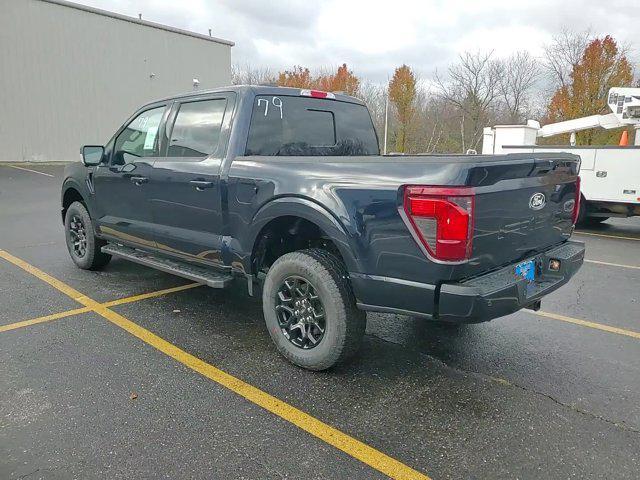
(286, 190)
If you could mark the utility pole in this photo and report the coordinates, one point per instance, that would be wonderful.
(386, 121)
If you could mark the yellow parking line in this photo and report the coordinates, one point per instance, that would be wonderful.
(45, 277)
(607, 236)
(621, 265)
(332, 436)
(586, 323)
(355, 448)
(46, 318)
(145, 296)
(78, 311)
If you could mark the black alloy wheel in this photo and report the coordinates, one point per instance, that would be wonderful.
(78, 236)
(310, 310)
(83, 245)
(300, 312)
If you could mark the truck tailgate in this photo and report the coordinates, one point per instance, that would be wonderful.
(521, 208)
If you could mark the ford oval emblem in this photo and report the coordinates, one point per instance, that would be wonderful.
(537, 201)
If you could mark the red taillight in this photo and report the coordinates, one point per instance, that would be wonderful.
(576, 205)
(442, 220)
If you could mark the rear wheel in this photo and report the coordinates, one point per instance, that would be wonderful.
(310, 310)
(84, 247)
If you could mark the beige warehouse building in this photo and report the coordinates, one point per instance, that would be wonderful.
(71, 74)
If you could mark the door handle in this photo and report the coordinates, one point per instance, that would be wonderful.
(201, 184)
(139, 180)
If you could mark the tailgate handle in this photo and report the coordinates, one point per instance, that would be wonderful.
(543, 166)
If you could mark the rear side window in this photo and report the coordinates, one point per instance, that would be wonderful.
(283, 125)
(196, 130)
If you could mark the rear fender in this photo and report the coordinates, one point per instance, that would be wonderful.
(314, 213)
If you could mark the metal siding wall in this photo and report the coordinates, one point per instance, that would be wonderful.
(70, 77)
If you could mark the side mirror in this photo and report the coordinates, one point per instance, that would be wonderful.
(92, 154)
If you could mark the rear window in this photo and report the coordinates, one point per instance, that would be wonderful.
(196, 131)
(282, 125)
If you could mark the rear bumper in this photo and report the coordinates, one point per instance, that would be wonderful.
(502, 292)
(483, 298)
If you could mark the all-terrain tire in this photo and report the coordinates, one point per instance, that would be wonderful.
(344, 322)
(78, 222)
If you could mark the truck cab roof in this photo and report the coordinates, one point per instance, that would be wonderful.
(256, 90)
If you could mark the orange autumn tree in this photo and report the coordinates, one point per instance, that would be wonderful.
(602, 66)
(402, 94)
(343, 80)
(298, 77)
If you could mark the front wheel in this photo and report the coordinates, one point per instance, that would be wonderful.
(84, 247)
(310, 310)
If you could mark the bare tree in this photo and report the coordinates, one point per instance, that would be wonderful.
(248, 75)
(563, 54)
(517, 79)
(472, 88)
(374, 96)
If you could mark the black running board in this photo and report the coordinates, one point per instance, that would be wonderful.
(204, 275)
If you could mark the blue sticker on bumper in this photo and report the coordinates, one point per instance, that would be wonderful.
(527, 270)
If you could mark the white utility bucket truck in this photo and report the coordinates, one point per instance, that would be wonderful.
(610, 174)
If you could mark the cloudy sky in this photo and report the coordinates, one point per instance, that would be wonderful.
(373, 36)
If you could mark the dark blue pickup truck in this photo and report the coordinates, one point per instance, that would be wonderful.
(286, 189)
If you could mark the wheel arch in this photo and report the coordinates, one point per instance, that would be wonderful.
(71, 192)
(301, 214)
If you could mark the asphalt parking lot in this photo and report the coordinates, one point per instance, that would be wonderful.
(133, 373)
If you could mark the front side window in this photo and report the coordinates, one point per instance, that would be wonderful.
(285, 125)
(140, 138)
(196, 131)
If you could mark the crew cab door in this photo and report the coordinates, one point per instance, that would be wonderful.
(122, 184)
(186, 201)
